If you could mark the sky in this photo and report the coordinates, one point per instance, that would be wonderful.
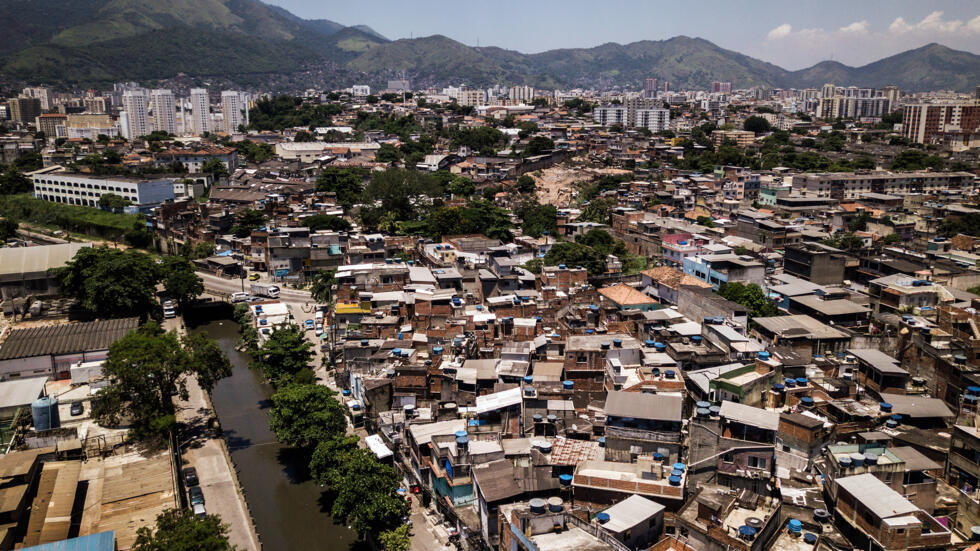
(791, 34)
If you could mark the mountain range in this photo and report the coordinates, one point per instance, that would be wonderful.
(94, 42)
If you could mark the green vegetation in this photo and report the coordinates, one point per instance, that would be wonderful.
(846, 241)
(482, 139)
(148, 368)
(246, 221)
(12, 182)
(576, 254)
(319, 222)
(283, 112)
(181, 530)
(113, 202)
(478, 216)
(180, 281)
(347, 183)
(321, 286)
(598, 211)
(537, 219)
(750, 296)
(284, 355)
(967, 224)
(538, 145)
(397, 195)
(303, 415)
(913, 159)
(526, 184)
(8, 229)
(71, 218)
(92, 277)
(756, 124)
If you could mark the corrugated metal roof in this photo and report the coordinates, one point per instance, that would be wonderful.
(876, 495)
(18, 263)
(749, 415)
(68, 338)
(103, 541)
(630, 512)
(658, 407)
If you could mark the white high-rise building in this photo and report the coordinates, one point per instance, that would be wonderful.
(201, 111)
(40, 92)
(521, 93)
(164, 111)
(234, 108)
(134, 103)
(654, 120)
(609, 115)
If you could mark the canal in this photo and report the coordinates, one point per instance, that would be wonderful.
(285, 503)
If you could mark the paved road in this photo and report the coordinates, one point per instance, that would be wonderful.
(228, 286)
(214, 467)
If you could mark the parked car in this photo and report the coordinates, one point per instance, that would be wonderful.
(77, 408)
(239, 297)
(200, 511)
(169, 312)
(168, 304)
(253, 277)
(190, 477)
(308, 324)
(196, 495)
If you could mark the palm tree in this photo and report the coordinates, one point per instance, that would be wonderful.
(321, 287)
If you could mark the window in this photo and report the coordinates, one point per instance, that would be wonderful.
(728, 457)
(757, 462)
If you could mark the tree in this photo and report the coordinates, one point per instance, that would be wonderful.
(913, 159)
(756, 124)
(536, 219)
(398, 191)
(111, 201)
(180, 281)
(576, 254)
(859, 223)
(303, 415)
(321, 288)
(387, 153)
(111, 283)
(538, 145)
(750, 296)
(203, 249)
(304, 136)
(147, 368)
(525, 184)
(284, 354)
(846, 241)
(181, 530)
(319, 222)
(346, 183)
(215, 167)
(13, 181)
(740, 250)
(8, 229)
(366, 493)
(246, 221)
(598, 211)
(705, 221)
(460, 186)
(892, 238)
(398, 539)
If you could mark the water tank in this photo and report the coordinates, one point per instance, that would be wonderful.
(974, 390)
(618, 343)
(702, 404)
(871, 458)
(885, 407)
(537, 505)
(648, 343)
(801, 381)
(795, 526)
(763, 355)
(857, 459)
(460, 434)
(602, 441)
(602, 518)
(891, 423)
(528, 379)
(810, 538)
(679, 467)
(604, 345)
(806, 402)
(565, 479)
(754, 522)
(696, 339)
(703, 413)
(669, 374)
(555, 504)
(975, 533)
(537, 417)
(821, 515)
(674, 480)
(790, 383)
(657, 456)
(778, 387)
(545, 447)
(462, 442)
(568, 385)
(44, 411)
(715, 411)
(660, 346)
(845, 461)
(409, 410)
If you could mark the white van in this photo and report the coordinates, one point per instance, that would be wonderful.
(239, 297)
(319, 316)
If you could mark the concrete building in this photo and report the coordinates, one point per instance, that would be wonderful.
(24, 110)
(137, 121)
(360, 90)
(654, 120)
(471, 98)
(41, 93)
(164, 111)
(721, 87)
(52, 124)
(522, 94)
(201, 111)
(610, 115)
(853, 185)
(742, 138)
(234, 108)
(82, 189)
(28, 270)
(50, 351)
(928, 123)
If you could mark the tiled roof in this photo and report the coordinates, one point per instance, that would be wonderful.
(624, 295)
(65, 339)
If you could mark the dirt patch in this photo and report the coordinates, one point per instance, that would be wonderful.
(556, 184)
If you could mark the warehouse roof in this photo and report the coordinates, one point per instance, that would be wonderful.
(21, 392)
(65, 339)
(20, 263)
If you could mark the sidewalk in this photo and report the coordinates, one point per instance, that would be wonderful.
(222, 493)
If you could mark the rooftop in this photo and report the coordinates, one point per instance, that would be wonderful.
(65, 339)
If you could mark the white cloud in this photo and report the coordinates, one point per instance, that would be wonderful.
(857, 43)
(781, 31)
(855, 27)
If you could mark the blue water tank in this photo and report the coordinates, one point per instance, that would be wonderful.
(528, 379)
(795, 526)
(602, 518)
(568, 385)
(565, 479)
(763, 355)
(44, 411)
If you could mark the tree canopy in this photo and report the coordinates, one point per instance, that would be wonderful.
(111, 201)
(246, 221)
(112, 283)
(284, 354)
(319, 222)
(147, 368)
(181, 530)
(576, 254)
(180, 281)
(756, 124)
(304, 414)
(750, 296)
(347, 183)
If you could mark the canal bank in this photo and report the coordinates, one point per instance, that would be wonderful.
(286, 505)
